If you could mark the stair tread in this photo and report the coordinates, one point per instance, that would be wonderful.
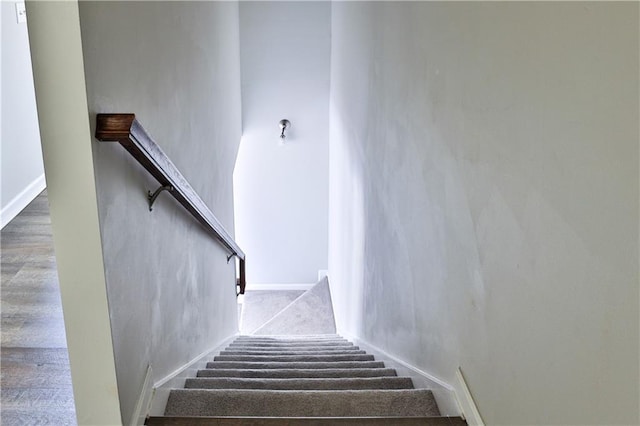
(293, 352)
(292, 349)
(299, 372)
(290, 338)
(392, 382)
(310, 364)
(291, 342)
(301, 403)
(295, 358)
(304, 421)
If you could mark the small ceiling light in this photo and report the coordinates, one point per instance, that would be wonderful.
(284, 125)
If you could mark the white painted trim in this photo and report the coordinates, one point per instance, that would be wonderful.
(323, 273)
(466, 402)
(177, 378)
(369, 347)
(142, 406)
(22, 200)
(279, 286)
(444, 393)
(61, 98)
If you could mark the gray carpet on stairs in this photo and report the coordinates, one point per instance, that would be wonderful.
(295, 358)
(311, 344)
(254, 351)
(335, 403)
(267, 364)
(284, 373)
(341, 383)
(284, 339)
(311, 376)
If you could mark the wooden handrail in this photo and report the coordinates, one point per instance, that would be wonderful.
(125, 129)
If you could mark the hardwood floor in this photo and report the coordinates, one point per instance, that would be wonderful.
(34, 362)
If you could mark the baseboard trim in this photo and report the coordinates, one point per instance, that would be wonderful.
(466, 402)
(142, 406)
(22, 200)
(279, 286)
(444, 393)
(177, 378)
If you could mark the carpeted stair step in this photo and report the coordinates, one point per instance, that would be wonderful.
(273, 403)
(321, 338)
(284, 373)
(270, 350)
(316, 345)
(266, 364)
(294, 358)
(305, 421)
(289, 345)
(293, 352)
(294, 338)
(301, 384)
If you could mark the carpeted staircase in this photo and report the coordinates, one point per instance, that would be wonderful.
(299, 380)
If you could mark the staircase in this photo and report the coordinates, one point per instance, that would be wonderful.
(299, 380)
(310, 376)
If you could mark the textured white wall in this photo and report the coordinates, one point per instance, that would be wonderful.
(177, 66)
(21, 168)
(484, 199)
(281, 191)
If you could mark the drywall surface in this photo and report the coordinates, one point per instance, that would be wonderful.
(176, 66)
(54, 33)
(281, 191)
(484, 199)
(21, 168)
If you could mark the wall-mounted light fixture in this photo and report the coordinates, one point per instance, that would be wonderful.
(284, 125)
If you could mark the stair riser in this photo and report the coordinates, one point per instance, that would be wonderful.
(301, 373)
(293, 358)
(196, 402)
(303, 365)
(301, 384)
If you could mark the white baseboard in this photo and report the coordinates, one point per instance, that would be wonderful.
(468, 405)
(22, 200)
(177, 378)
(144, 400)
(443, 392)
(279, 286)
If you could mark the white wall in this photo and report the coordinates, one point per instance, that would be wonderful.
(176, 65)
(484, 199)
(21, 168)
(281, 191)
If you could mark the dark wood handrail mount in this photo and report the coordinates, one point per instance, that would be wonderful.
(125, 129)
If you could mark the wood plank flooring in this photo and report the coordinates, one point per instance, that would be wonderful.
(34, 363)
